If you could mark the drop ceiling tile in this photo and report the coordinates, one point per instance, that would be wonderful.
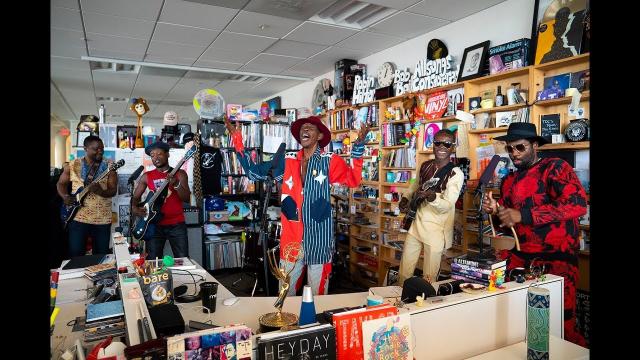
(311, 68)
(217, 64)
(196, 14)
(294, 48)
(232, 87)
(67, 43)
(237, 56)
(154, 86)
(334, 54)
(68, 63)
(277, 85)
(394, 4)
(116, 54)
(116, 43)
(407, 25)
(232, 4)
(169, 59)
(117, 26)
(319, 33)
(69, 4)
(271, 64)
(298, 9)
(163, 48)
(251, 23)
(242, 42)
(68, 19)
(184, 34)
(451, 9)
(134, 9)
(365, 40)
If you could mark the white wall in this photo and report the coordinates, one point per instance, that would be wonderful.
(507, 21)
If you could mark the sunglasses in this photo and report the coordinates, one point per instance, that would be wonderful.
(519, 147)
(443, 143)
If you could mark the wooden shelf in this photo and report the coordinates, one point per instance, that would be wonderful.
(580, 145)
(563, 62)
(366, 267)
(340, 131)
(365, 240)
(444, 119)
(397, 121)
(488, 130)
(392, 217)
(499, 108)
(370, 183)
(500, 76)
(364, 252)
(391, 261)
(562, 100)
(584, 252)
(395, 184)
(394, 98)
(394, 147)
(389, 202)
(442, 88)
(425, 152)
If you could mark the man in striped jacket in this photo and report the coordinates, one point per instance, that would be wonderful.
(306, 209)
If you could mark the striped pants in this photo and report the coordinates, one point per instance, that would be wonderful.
(317, 276)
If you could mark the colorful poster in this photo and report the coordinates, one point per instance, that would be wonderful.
(430, 132)
(388, 338)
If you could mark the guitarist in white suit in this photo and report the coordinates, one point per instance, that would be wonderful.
(171, 225)
(94, 218)
(433, 224)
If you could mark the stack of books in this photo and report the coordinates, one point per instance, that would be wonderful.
(100, 271)
(474, 271)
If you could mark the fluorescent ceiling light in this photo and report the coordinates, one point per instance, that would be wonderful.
(194, 68)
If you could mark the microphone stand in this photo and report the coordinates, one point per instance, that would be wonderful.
(131, 187)
(480, 215)
(264, 228)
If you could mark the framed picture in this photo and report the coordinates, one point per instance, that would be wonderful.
(81, 136)
(473, 60)
(557, 29)
(274, 103)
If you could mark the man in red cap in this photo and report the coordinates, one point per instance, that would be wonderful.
(542, 200)
(306, 209)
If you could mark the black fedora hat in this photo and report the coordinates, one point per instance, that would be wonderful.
(519, 131)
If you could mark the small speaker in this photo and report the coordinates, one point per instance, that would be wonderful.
(166, 319)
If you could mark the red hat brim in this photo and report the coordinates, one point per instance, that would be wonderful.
(295, 129)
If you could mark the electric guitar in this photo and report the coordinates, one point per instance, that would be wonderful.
(68, 212)
(155, 199)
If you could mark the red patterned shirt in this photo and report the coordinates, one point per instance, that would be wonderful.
(551, 199)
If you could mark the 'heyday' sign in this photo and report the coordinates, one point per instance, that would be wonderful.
(363, 89)
(428, 74)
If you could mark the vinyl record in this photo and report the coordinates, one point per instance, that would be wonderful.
(436, 49)
(552, 9)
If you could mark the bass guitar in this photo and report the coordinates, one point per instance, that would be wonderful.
(68, 212)
(154, 200)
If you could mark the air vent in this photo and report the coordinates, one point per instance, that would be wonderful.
(105, 66)
(353, 14)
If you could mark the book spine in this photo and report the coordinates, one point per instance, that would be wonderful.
(470, 279)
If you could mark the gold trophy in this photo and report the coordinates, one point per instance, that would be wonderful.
(292, 253)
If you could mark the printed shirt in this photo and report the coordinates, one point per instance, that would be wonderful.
(171, 210)
(96, 209)
(551, 199)
(306, 209)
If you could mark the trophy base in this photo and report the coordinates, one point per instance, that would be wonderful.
(276, 320)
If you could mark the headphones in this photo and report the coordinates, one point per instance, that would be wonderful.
(180, 296)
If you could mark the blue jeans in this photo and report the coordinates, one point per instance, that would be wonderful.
(78, 233)
(177, 236)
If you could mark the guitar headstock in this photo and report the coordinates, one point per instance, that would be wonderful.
(431, 182)
(192, 150)
(116, 165)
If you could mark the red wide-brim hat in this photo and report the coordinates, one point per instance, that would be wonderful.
(295, 129)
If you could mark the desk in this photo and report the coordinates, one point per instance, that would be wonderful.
(461, 326)
(558, 349)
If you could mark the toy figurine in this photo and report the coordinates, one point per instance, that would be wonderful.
(140, 107)
(420, 300)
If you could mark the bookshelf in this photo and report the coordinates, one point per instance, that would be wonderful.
(530, 78)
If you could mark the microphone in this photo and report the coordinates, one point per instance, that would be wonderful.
(135, 175)
(487, 175)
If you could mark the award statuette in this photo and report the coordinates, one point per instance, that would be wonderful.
(292, 253)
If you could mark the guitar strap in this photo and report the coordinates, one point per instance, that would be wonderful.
(441, 174)
(91, 173)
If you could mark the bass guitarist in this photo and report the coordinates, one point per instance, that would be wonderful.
(94, 217)
(171, 225)
(435, 210)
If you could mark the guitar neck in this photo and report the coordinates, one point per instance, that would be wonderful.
(98, 179)
(166, 183)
